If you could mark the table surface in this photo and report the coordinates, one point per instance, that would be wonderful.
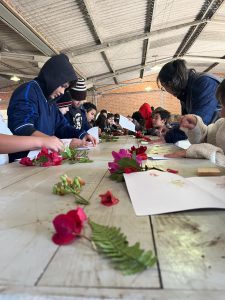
(190, 246)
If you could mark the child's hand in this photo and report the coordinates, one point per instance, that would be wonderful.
(177, 154)
(188, 121)
(52, 143)
(75, 143)
(91, 139)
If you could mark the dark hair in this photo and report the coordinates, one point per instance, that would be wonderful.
(220, 93)
(175, 75)
(164, 114)
(103, 111)
(88, 106)
(116, 116)
(137, 116)
(101, 122)
(110, 115)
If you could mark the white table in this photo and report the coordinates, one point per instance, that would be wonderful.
(190, 246)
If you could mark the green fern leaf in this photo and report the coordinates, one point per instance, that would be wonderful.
(113, 244)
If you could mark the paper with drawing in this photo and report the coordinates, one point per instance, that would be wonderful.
(154, 192)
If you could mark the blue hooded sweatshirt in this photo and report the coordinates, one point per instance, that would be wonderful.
(31, 109)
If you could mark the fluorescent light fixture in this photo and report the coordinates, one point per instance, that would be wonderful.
(148, 88)
(14, 78)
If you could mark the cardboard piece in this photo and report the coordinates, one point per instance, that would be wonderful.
(208, 172)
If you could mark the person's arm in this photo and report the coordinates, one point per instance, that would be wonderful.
(204, 150)
(13, 143)
(197, 131)
(23, 109)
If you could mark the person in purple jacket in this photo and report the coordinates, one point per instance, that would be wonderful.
(32, 108)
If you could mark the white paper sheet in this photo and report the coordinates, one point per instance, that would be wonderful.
(185, 144)
(32, 154)
(94, 132)
(127, 124)
(154, 192)
(157, 157)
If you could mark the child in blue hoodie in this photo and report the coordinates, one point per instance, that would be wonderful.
(32, 109)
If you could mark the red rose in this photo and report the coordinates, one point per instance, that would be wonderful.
(64, 227)
(26, 161)
(108, 199)
(129, 170)
(68, 226)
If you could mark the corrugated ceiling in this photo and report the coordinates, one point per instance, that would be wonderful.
(111, 41)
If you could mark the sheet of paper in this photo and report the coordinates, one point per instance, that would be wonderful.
(33, 154)
(94, 132)
(157, 157)
(127, 124)
(154, 192)
(185, 144)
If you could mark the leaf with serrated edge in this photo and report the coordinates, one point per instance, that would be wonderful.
(113, 244)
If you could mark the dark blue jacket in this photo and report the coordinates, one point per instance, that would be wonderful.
(32, 109)
(29, 110)
(199, 97)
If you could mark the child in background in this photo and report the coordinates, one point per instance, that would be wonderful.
(207, 141)
(146, 113)
(159, 121)
(64, 103)
(110, 123)
(76, 115)
(91, 111)
(138, 121)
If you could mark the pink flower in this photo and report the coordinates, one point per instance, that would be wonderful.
(121, 154)
(113, 167)
(108, 199)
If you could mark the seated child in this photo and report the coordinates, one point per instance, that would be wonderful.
(159, 121)
(207, 141)
(91, 110)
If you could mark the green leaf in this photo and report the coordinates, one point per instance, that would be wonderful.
(127, 162)
(117, 177)
(66, 153)
(113, 244)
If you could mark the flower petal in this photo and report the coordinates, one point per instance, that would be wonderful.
(108, 199)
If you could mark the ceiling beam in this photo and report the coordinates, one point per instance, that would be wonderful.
(131, 69)
(146, 43)
(207, 11)
(207, 59)
(11, 73)
(88, 9)
(12, 18)
(75, 51)
(214, 64)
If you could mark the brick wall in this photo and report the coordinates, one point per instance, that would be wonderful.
(125, 100)
(5, 94)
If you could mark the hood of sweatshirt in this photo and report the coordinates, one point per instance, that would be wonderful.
(56, 72)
